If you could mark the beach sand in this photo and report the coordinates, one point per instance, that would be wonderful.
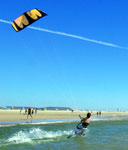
(14, 115)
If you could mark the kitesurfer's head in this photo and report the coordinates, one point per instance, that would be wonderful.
(88, 115)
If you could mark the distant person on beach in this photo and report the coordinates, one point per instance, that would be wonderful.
(32, 111)
(35, 111)
(29, 113)
(20, 111)
(83, 124)
(25, 111)
(100, 113)
(97, 113)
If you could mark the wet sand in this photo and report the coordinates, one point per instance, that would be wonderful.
(14, 115)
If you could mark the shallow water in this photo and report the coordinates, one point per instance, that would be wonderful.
(109, 133)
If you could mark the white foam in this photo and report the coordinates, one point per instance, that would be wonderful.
(36, 134)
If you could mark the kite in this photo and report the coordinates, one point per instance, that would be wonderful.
(27, 18)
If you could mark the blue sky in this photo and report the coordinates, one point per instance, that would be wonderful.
(45, 69)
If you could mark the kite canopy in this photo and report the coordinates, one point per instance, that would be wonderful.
(27, 18)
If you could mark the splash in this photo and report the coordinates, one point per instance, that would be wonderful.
(37, 135)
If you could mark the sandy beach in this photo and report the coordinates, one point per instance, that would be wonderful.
(14, 115)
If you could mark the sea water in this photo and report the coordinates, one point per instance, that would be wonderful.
(104, 133)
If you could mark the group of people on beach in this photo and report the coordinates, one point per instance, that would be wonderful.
(29, 112)
(98, 113)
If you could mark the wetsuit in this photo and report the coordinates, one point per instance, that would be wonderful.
(85, 124)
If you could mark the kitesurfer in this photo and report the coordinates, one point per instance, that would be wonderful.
(82, 126)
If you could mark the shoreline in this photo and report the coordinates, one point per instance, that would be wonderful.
(56, 121)
(15, 116)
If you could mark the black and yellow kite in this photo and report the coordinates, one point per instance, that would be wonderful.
(27, 18)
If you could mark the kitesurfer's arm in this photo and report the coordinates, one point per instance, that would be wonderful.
(80, 117)
(78, 125)
(80, 121)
